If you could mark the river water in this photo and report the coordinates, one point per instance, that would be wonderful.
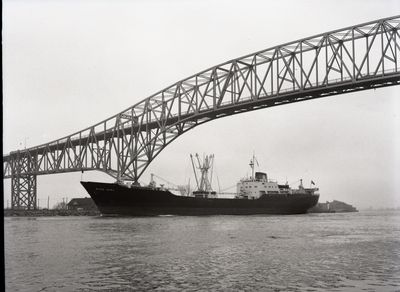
(311, 252)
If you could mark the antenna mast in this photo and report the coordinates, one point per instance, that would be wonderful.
(252, 166)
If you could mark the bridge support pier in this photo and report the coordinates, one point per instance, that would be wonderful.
(23, 192)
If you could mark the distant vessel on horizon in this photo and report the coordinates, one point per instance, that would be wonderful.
(334, 206)
(254, 195)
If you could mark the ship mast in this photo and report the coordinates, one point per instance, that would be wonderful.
(252, 161)
(194, 170)
(204, 184)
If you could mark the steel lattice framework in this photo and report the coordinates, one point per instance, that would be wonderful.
(351, 59)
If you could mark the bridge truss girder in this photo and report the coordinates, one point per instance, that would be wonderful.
(351, 59)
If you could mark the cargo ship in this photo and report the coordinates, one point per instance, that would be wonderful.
(254, 195)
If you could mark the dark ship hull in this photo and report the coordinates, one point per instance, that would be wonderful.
(116, 200)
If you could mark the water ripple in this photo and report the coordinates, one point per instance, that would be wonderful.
(318, 252)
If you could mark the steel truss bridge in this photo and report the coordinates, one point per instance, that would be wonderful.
(355, 58)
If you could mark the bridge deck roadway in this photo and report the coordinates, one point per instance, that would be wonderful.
(243, 106)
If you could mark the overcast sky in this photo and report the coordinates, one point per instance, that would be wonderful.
(70, 64)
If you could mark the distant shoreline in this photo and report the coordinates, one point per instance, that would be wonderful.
(63, 213)
(49, 213)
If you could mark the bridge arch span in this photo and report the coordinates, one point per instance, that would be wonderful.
(351, 59)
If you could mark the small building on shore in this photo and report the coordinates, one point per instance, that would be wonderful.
(81, 204)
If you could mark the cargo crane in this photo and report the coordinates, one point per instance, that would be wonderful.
(204, 189)
(184, 190)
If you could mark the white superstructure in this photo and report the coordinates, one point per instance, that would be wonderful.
(253, 188)
(259, 185)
